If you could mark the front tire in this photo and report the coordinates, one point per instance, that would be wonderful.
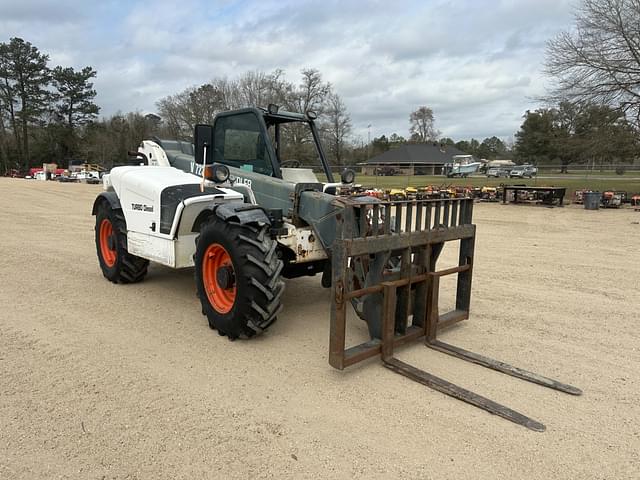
(238, 277)
(116, 263)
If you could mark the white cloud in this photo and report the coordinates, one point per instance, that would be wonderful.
(476, 63)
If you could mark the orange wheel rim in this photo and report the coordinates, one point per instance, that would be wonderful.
(109, 254)
(221, 297)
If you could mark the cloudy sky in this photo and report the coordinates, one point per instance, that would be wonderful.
(477, 63)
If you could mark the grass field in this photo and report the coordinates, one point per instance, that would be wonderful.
(599, 182)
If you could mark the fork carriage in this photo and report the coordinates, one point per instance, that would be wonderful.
(391, 249)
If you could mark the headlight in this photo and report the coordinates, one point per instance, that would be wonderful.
(218, 173)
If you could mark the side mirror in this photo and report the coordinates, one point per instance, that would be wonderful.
(203, 140)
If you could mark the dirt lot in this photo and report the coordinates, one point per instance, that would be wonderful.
(106, 381)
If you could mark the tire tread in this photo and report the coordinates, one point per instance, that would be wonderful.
(261, 302)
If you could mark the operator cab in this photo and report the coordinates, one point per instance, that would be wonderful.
(258, 141)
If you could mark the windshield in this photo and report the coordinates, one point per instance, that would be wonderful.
(239, 143)
(294, 144)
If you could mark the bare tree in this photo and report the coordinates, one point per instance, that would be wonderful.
(422, 125)
(170, 114)
(182, 111)
(259, 89)
(311, 94)
(313, 91)
(337, 126)
(205, 101)
(177, 113)
(599, 62)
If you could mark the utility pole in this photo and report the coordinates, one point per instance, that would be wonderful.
(369, 140)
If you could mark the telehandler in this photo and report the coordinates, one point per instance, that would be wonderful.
(233, 208)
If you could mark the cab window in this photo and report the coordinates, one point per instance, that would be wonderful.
(239, 143)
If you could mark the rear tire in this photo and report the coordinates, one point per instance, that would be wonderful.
(238, 277)
(117, 264)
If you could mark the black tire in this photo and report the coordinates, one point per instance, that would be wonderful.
(255, 275)
(125, 268)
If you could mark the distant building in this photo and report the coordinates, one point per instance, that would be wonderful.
(411, 159)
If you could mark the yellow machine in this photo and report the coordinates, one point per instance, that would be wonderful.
(397, 194)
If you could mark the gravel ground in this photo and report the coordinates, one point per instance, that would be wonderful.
(103, 381)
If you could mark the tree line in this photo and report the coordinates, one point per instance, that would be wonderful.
(42, 108)
(490, 148)
(48, 113)
(596, 135)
